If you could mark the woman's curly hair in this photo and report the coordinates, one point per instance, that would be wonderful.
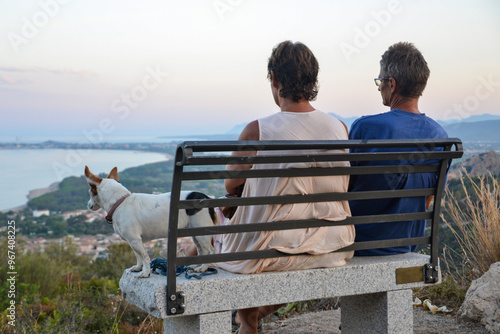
(296, 69)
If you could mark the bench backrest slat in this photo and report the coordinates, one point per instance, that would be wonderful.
(303, 223)
(278, 145)
(242, 160)
(183, 261)
(308, 198)
(313, 171)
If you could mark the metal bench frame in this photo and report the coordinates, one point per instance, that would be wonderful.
(200, 154)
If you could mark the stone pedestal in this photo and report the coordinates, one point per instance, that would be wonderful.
(383, 312)
(215, 323)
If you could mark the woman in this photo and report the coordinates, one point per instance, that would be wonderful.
(292, 71)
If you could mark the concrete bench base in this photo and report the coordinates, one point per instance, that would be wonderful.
(370, 297)
(219, 322)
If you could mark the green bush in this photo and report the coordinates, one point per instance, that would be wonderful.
(62, 292)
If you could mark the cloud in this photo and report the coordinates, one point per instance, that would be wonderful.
(10, 80)
(7, 79)
(10, 76)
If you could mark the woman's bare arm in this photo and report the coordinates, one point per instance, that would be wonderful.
(250, 132)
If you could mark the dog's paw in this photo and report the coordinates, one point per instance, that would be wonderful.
(136, 268)
(200, 269)
(143, 274)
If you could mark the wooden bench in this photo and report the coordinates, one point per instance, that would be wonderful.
(375, 291)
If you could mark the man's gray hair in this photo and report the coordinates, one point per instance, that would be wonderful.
(404, 62)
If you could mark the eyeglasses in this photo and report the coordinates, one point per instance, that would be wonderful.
(378, 81)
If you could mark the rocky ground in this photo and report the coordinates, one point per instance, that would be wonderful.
(322, 322)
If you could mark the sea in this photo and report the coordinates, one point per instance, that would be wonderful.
(23, 170)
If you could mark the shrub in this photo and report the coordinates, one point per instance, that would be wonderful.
(475, 223)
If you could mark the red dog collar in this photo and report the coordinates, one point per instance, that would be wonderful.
(109, 217)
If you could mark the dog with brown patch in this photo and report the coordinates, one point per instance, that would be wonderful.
(138, 218)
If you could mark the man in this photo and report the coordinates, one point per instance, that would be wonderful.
(402, 79)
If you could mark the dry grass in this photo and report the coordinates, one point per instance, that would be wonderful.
(475, 222)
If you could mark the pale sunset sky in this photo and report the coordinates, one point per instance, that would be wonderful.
(173, 68)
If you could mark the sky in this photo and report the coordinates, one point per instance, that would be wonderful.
(101, 69)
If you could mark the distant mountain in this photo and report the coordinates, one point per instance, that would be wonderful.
(236, 130)
(347, 120)
(484, 127)
(471, 119)
(475, 131)
(480, 164)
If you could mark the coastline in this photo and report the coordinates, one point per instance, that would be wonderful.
(34, 194)
(42, 191)
(16, 209)
(55, 164)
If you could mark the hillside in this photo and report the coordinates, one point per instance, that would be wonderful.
(477, 165)
(151, 178)
(475, 131)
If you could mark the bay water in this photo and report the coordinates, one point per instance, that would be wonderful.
(22, 170)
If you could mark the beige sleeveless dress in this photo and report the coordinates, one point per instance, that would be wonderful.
(318, 242)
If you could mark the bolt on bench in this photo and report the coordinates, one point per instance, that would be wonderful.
(375, 291)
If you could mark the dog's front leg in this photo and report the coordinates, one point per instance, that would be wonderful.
(142, 258)
(204, 245)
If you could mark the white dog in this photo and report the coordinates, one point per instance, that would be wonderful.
(139, 218)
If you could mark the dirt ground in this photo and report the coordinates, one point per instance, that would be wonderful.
(322, 322)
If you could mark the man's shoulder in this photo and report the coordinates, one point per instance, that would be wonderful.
(435, 124)
(368, 124)
(373, 118)
(369, 119)
(396, 124)
(432, 128)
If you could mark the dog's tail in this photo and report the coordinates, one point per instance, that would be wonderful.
(198, 195)
(214, 216)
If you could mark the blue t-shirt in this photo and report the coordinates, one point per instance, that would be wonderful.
(395, 124)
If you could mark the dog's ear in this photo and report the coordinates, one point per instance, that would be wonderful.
(91, 178)
(114, 174)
